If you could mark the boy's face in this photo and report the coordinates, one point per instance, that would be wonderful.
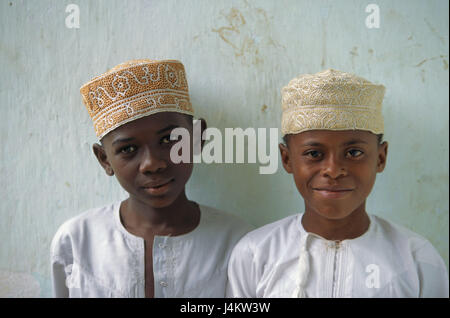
(334, 171)
(138, 154)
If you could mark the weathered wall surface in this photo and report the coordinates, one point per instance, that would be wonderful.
(237, 54)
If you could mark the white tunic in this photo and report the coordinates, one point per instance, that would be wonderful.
(386, 261)
(93, 255)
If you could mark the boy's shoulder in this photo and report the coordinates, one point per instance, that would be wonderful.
(283, 230)
(395, 232)
(406, 242)
(100, 216)
(82, 225)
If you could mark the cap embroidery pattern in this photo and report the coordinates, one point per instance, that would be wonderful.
(331, 100)
(133, 90)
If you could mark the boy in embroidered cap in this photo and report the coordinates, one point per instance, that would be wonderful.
(156, 243)
(332, 126)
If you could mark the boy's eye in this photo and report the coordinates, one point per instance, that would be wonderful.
(313, 154)
(127, 149)
(166, 140)
(353, 153)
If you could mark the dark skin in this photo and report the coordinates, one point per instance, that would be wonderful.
(334, 171)
(138, 154)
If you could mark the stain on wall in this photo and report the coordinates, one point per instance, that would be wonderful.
(246, 31)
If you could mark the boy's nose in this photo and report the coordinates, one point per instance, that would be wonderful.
(151, 162)
(334, 168)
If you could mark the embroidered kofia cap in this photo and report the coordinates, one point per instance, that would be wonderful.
(135, 89)
(331, 100)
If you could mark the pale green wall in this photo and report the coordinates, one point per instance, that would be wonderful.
(47, 170)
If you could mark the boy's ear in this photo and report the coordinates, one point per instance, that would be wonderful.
(382, 155)
(285, 157)
(100, 154)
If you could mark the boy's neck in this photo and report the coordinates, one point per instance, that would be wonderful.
(350, 227)
(181, 217)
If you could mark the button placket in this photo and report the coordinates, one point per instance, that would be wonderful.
(163, 249)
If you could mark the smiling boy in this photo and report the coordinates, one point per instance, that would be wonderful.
(156, 243)
(333, 127)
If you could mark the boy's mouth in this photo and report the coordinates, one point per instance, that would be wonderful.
(332, 193)
(158, 187)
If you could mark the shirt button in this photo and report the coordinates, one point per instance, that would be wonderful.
(163, 284)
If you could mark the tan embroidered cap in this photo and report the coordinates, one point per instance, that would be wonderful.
(135, 89)
(331, 100)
